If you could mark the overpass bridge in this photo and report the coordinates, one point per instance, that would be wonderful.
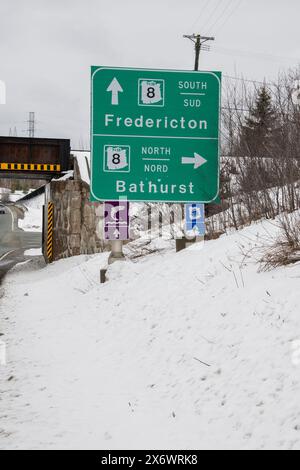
(27, 158)
(34, 158)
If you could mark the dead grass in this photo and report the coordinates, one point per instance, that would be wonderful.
(286, 248)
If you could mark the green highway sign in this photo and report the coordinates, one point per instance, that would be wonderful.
(155, 135)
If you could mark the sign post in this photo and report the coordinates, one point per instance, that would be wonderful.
(155, 135)
(116, 227)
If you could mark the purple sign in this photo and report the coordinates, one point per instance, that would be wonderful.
(116, 222)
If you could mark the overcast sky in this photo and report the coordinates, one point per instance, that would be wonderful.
(48, 46)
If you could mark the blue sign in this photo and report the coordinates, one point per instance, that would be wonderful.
(195, 218)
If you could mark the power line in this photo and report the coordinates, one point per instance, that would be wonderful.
(201, 13)
(249, 80)
(235, 8)
(265, 157)
(212, 14)
(227, 5)
(229, 108)
(261, 55)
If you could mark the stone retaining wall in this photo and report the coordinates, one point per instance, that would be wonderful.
(77, 222)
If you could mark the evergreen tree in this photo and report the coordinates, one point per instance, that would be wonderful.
(260, 126)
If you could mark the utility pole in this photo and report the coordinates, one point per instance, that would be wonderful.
(199, 42)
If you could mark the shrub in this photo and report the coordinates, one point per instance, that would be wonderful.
(286, 248)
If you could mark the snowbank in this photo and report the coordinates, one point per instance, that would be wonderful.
(33, 252)
(33, 217)
(7, 195)
(177, 351)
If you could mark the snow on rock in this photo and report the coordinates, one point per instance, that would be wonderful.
(84, 162)
(177, 351)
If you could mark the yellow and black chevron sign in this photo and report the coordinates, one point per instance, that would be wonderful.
(50, 227)
(40, 167)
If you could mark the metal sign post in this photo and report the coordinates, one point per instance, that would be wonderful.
(116, 227)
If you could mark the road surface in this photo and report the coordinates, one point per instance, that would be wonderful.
(14, 241)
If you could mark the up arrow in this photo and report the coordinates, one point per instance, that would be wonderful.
(196, 160)
(115, 88)
(116, 233)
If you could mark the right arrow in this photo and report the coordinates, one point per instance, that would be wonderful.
(196, 160)
(115, 88)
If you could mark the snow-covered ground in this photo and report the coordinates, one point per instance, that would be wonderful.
(16, 195)
(194, 350)
(34, 252)
(33, 216)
